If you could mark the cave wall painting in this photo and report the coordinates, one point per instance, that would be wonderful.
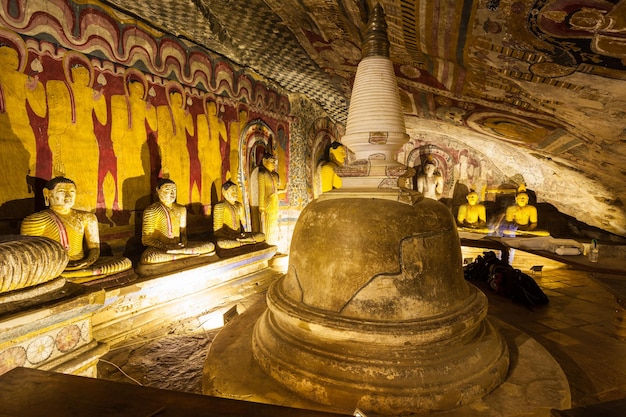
(116, 106)
(463, 168)
(589, 34)
(531, 132)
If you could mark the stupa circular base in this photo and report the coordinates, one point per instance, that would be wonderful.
(534, 385)
(397, 368)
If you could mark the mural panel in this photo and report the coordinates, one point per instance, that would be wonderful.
(113, 104)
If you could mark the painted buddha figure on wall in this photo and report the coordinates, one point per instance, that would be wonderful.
(229, 221)
(75, 230)
(164, 229)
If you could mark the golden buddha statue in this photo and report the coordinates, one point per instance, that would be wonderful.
(268, 198)
(523, 216)
(164, 229)
(336, 158)
(74, 230)
(229, 221)
(472, 215)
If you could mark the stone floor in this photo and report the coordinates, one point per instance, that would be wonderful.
(576, 327)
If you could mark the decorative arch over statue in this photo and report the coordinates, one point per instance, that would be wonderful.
(323, 133)
(256, 139)
(440, 157)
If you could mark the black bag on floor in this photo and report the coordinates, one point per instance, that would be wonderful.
(518, 286)
(479, 270)
(524, 289)
(505, 280)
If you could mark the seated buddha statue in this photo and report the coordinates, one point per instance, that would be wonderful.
(336, 157)
(164, 229)
(75, 230)
(472, 215)
(229, 221)
(522, 217)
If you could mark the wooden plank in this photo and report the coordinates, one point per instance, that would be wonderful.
(26, 392)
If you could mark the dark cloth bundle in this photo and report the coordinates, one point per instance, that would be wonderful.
(505, 280)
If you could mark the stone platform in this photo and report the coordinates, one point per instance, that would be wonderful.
(152, 303)
(52, 332)
(535, 383)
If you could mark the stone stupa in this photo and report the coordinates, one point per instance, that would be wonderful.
(374, 312)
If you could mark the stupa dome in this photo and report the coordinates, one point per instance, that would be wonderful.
(345, 249)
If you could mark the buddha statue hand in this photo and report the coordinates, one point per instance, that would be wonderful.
(92, 257)
(194, 248)
(173, 247)
(244, 239)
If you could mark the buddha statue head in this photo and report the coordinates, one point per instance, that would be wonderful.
(430, 168)
(229, 192)
(337, 153)
(166, 191)
(60, 193)
(522, 199)
(269, 162)
(472, 198)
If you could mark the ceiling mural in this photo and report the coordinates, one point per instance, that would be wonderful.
(546, 77)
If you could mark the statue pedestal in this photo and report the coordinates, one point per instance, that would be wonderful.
(197, 290)
(52, 335)
(66, 327)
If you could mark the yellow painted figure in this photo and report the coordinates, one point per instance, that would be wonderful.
(72, 107)
(229, 221)
(164, 229)
(268, 198)
(130, 114)
(523, 215)
(211, 130)
(336, 158)
(74, 229)
(175, 122)
(18, 92)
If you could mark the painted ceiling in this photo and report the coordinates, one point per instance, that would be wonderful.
(537, 85)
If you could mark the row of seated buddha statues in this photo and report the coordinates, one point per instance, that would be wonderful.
(520, 219)
(164, 232)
